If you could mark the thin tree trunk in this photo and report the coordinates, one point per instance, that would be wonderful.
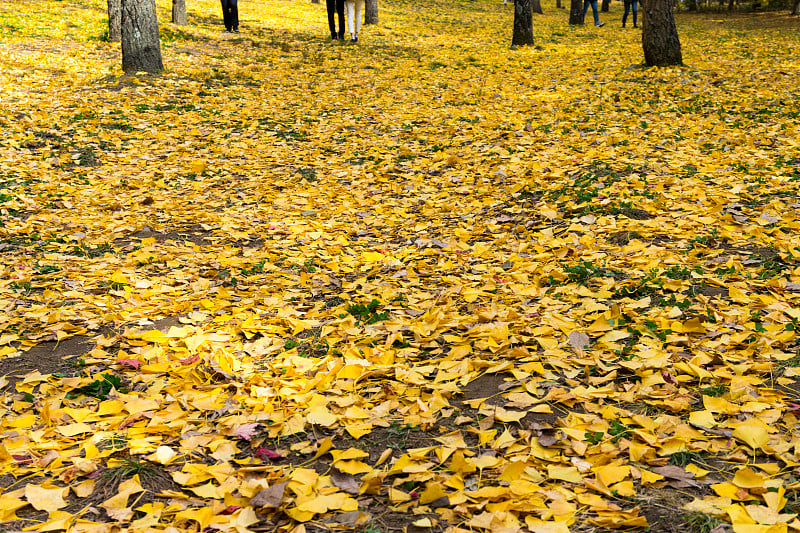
(523, 24)
(315, 1)
(796, 7)
(371, 12)
(576, 12)
(660, 41)
(114, 20)
(730, 5)
(179, 13)
(605, 5)
(558, 4)
(141, 49)
(536, 7)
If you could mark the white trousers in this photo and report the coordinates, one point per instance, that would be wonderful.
(353, 9)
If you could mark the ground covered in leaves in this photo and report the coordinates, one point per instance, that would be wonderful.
(425, 283)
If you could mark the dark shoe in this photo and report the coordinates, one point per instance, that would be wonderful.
(341, 36)
(355, 39)
(334, 37)
(235, 30)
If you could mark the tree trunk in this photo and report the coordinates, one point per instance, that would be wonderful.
(371, 12)
(576, 12)
(523, 24)
(558, 4)
(114, 21)
(730, 5)
(179, 13)
(796, 7)
(141, 49)
(536, 7)
(315, 1)
(659, 34)
(605, 5)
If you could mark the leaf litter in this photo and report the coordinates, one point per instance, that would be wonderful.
(424, 283)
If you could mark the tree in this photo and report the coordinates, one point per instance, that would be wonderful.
(371, 12)
(179, 13)
(523, 24)
(536, 7)
(659, 34)
(576, 12)
(605, 5)
(796, 7)
(114, 20)
(141, 49)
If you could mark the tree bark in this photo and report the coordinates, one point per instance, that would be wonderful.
(796, 7)
(659, 35)
(523, 24)
(371, 12)
(179, 13)
(558, 4)
(576, 12)
(536, 7)
(114, 21)
(141, 49)
(730, 5)
(605, 5)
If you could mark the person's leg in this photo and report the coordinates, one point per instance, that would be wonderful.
(340, 12)
(595, 13)
(330, 5)
(349, 11)
(234, 15)
(625, 15)
(226, 17)
(586, 4)
(359, 7)
(633, 7)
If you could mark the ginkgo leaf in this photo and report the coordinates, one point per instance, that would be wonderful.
(45, 497)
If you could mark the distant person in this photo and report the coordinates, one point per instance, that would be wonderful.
(353, 8)
(630, 5)
(336, 7)
(593, 3)
(230, 14)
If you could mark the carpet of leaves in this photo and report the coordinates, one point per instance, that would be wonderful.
(424, 283)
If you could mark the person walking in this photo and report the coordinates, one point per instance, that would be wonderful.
(353, 8)
(593, 3)
(230, 15)
(630, 5)
(335, 7)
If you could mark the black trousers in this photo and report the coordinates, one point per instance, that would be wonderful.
(230, 14)
(334, 7)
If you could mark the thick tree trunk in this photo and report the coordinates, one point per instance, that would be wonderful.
(114, 20)
(796, 7)
(371, 12)
(179, 13)
(523, 24)
(605, 5)
(576, 12)
(659, 34)
(536, 7)
(141, 49)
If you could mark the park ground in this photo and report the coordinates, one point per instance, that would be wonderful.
(422, 283)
